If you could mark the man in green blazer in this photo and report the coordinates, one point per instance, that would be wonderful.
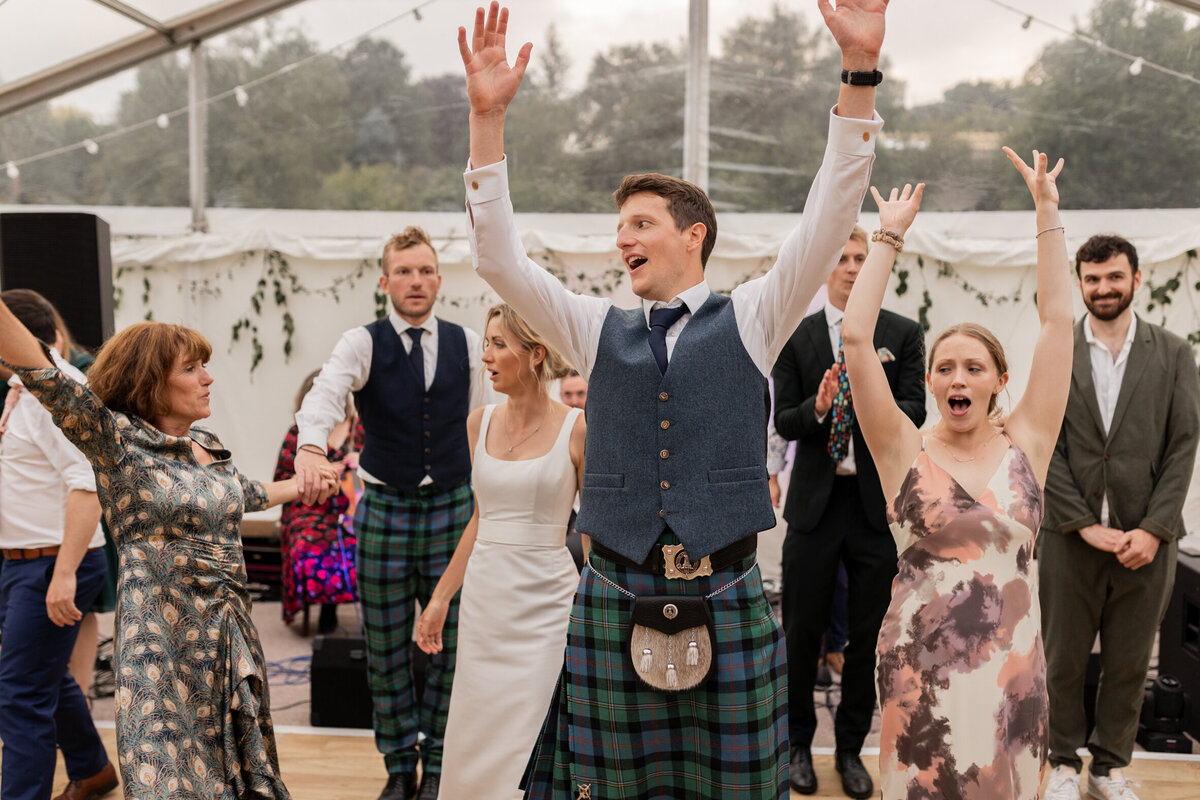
(1114, 500)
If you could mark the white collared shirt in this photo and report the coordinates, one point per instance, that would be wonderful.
(38, 469)
(767, 309)
(833, 318)
(349, 366)
(1107, 375)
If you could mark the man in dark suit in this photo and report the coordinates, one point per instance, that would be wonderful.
(1114, 509)
(835, 513)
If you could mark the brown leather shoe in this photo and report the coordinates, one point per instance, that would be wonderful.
(91, 788)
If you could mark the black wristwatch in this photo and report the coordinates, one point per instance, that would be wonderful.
(856, 78)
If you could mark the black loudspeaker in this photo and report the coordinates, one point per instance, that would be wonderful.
(340, 695)
(1179, 639)
(1164, 711)
(67, 258)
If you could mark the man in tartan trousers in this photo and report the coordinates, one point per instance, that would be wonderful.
(674, 490)
(415, 378)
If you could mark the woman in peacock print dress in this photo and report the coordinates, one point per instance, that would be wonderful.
(192, 709)
(961, 672)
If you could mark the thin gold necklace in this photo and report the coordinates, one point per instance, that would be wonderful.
(974, 451)
(533, 433)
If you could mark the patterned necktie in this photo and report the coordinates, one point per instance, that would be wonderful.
(660, 320)
(843, 413)
(416, 355)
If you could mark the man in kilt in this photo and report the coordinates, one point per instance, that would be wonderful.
(674, 489)
(415, 378)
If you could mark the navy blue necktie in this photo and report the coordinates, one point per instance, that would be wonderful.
(416, 355)
(660, 320)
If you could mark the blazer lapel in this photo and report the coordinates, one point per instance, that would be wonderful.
(1081, 372)
(818, 331)
(1140, 352)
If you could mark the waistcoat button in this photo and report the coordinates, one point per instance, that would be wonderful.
(665, 484)
(664, 453)
(664, 424)
(663, 396)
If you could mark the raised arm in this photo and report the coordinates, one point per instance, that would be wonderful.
(18, 347)
(1035, 421)
(491, 82)
(890, 434)
(569, 322)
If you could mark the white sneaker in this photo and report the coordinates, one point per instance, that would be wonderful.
(1063, 785)
(1114, 787)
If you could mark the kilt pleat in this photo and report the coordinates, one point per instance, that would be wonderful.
(609, 736)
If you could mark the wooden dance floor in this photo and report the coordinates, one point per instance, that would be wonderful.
(345, 766)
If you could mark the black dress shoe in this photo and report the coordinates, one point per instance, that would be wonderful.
(429, 786)
(400, 786)
(800, 770)
(856, 781)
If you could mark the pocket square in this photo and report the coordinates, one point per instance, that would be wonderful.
(885, 355)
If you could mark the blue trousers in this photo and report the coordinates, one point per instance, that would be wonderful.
(41, 706)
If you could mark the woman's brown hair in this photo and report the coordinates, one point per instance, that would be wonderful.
(131, 369)
(984, 337)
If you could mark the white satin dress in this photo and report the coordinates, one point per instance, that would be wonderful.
(512, 621)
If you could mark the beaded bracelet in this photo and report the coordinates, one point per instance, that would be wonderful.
(887, 237)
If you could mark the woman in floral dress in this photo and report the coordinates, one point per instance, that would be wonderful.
(961, 672)
(192, 709)
(318, 547)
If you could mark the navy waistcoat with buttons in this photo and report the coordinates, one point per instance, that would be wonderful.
(411, 432)
(686, 448)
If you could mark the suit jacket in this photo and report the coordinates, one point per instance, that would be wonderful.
(798, 372)
(1145, 461)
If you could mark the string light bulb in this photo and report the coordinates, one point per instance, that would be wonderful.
(241, 96)
(1136, 67)
(91, 147)
(417, 14)
(163, 121)
(10, 169)
(1025, 25)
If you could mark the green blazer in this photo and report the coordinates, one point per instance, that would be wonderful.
(1145, 461)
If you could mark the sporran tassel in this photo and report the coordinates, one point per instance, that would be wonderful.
(693, 654)
(672, 678)
(646, 659)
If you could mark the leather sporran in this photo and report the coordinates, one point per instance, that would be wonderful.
(672, 641)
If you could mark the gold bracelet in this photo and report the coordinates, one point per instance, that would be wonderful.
(1053, 228)
(888, 237)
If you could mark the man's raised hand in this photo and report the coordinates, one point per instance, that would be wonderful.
(491, 82)
(857, 25)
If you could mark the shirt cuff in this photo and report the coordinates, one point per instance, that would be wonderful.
(820, 417)
(853, 136)
(486, 183)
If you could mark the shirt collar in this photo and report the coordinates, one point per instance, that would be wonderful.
(1091, 339)
(833, 314)
(401, 325)
(693, 297)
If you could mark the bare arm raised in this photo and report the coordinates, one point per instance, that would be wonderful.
(890, 435)
(491, 82)
(1035, 421)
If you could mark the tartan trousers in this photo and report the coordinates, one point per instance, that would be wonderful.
(607, 736)
(405, 542)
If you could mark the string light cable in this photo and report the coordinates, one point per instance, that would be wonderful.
(240, 93)
(1136, 63)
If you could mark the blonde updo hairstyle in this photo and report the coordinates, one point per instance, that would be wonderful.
(521, 336)
(989, 342)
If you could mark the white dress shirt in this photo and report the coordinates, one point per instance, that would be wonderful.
(833, 317)
(1107, 374)
(349, 366)
(38, 469)
(767, 309)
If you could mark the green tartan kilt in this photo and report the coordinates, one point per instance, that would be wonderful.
(609, 736)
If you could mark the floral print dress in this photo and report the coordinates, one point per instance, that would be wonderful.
(192, 711)
(961, 672)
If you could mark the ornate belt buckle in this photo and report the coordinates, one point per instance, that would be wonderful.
(677, 565)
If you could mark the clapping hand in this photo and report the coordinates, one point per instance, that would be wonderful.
(897, 212)
(491, 82)
(1042, 183)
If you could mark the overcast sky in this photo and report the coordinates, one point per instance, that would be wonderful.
(932, 44)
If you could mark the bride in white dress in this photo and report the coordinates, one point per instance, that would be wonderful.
(517, 577)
